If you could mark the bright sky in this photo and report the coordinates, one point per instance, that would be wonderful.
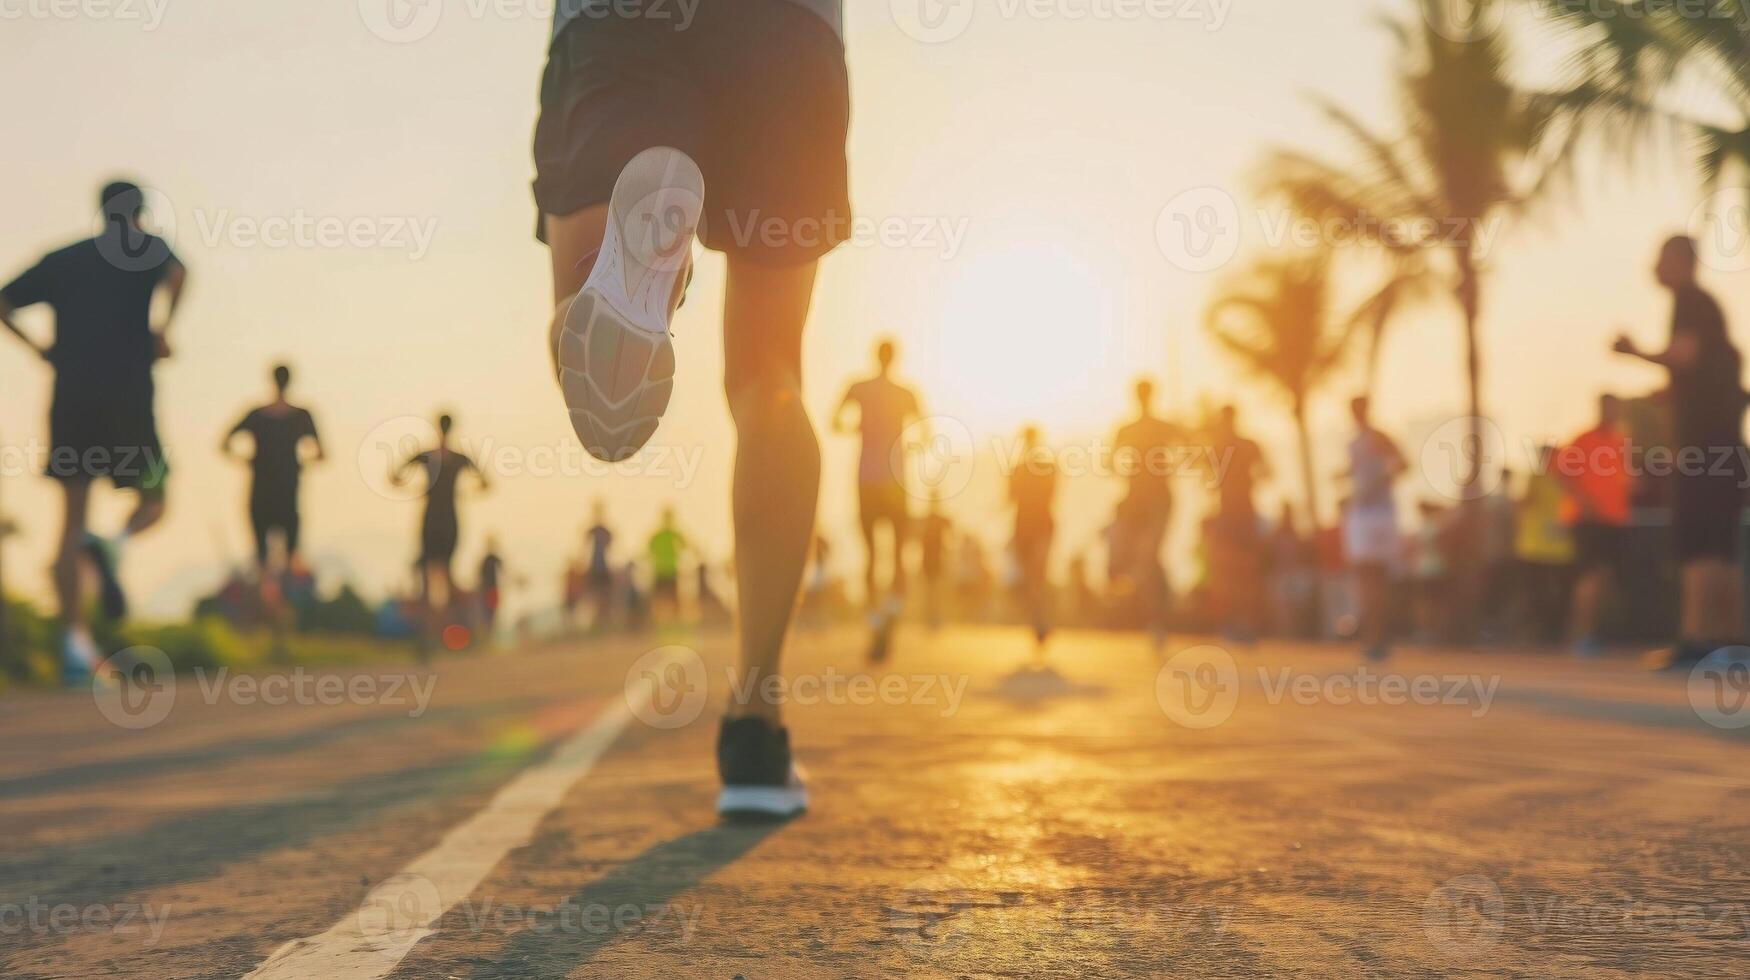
(1026, 159)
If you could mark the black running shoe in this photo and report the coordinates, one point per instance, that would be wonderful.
(112, 598)
(760, 781)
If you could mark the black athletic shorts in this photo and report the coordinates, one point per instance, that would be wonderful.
(273, 507)
(1599, 545)
(755, 91)
(106, 429)
(883, 501)
(437, 536)
(1706, 509)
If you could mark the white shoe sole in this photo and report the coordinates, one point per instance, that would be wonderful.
(762, 801)
(616, 360)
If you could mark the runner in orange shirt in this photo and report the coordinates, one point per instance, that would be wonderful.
(1594, 468)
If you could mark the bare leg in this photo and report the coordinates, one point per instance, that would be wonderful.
(777, 462)
(149, 511)
(77, 495)
(1371, 581)
(871, 595)
(1710, 602)
(1588, 595)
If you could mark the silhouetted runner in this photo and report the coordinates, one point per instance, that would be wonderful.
(440, 527)
(279, 430)
(734, 127)
(1238, 541)
(1595, 469)
(1707, 408)
(1371, 542)
(884, 408)
(101, 420)
(1142, 452)
(600, 574)
(665, 550)
(1032, 490)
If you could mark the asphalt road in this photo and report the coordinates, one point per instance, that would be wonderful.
(1243, 812)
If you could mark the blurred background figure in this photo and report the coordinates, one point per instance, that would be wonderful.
(1594, 469)
(1142, 455)
(1545, 550)
(933, 539)
(599, 571)
(440, 527)
(102, 412)
(666, 547)
(1707, 408)
(1032, 491)
(279, 433)
(1236, 565)
(884, 409)
(1371, 544)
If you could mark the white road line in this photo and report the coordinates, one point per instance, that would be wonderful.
(404, 909)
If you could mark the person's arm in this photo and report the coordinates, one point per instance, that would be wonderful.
(6, 311)
(1681, 352)
(838, 416)
(398, 474)
(27, 290)
(175, 280)
(479, 475)
(225, 447)
(310, 433)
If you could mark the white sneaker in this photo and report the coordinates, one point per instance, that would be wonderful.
(615, 355)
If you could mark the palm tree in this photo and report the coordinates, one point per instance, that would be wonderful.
(1275, 319)
(1469, 150)
(1634, 58)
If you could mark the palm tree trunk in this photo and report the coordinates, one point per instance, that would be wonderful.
(1469, 300)
(1306, 467)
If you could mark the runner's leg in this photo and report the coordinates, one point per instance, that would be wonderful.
(777, 462)
(77, 497)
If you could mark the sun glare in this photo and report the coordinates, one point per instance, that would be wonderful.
(1024, 334)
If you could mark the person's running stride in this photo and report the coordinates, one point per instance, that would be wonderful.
(884, 408)
(1370, 527)
(1032, 489)
(101, 418)
(733, 127)
(440, 528)
(1142, 453)
(1707, 408)
(666, 547)
(279, 431)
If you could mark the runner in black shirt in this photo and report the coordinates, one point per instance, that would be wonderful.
(440, 528)
(1707, 409)
(279, 430)
(101, 421)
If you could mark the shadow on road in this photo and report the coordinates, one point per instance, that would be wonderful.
(650, 880)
